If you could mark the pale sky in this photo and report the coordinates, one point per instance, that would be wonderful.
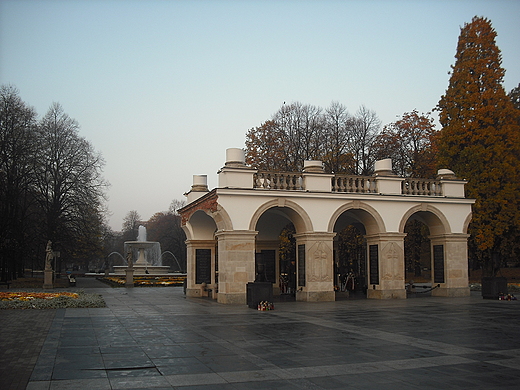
(163, 88)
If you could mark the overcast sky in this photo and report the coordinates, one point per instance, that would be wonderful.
(162, 88)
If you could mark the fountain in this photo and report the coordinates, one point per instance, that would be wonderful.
(149, 258)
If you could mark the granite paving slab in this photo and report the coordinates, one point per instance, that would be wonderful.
(156, 338)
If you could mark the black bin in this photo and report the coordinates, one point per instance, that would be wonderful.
(493, 287)
(258, 292)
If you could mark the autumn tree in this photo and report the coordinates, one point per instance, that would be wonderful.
(262, 147)
(514, 95)
(480, 140)
(410, 143)
(287, 255)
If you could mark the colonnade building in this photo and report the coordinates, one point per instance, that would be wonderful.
(233, 229)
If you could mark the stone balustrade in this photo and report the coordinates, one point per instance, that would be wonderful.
(425, 187)
(288, 181)
(354, 184)
(236, 174)
(294, 181)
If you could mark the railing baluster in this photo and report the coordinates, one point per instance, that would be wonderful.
(289, 181)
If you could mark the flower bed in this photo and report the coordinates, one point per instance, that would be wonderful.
(49, 300)
(147, 281)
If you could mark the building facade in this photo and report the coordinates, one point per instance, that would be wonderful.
(233, 231)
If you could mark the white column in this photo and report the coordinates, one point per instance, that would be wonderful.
(455, 251)
(319, 267)
(236, 264)
(390, 270)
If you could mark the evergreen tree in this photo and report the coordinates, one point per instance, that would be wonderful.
(480, 140)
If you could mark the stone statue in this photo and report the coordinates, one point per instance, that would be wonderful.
(49, 255)
(129, 259)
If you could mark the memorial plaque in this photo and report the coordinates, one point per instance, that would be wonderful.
(438, 264)
(202, 266)
(373, 257)
(301, 265)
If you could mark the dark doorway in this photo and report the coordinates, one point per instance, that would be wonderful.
(287, 261)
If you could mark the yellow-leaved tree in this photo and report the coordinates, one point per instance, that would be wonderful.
(480, 142)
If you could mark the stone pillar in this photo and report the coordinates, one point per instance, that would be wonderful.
(386, 181)
(386, 273)
(47, 279)
(454, 251)
(129, 281)
(236, 262)
(235, 173)
(314, 177)
(318, 282)
(198, 189)
(200, 289)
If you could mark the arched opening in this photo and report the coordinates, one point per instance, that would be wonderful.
(424, 251)
(350, 261)
(201, 226)
(287, 261)
(417, 252)
(275, 257)
(202, 260)
(350, 251)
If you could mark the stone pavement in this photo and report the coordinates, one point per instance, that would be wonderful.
(156, 338)
(22, 334)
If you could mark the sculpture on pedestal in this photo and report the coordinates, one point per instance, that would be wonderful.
(49, 255)
(48, 273)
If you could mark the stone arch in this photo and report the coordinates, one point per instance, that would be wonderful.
(430, 216)
(200, 226)
(195, 228)
(222, 219)
(289, 209)
(364, 213)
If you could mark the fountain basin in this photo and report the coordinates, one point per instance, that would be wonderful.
(143, 265)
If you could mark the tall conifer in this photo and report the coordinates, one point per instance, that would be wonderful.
(480, 140)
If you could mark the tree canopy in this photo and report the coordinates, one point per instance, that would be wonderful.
(480, 137)
(299, 132)
(51, 187)
(410, 143)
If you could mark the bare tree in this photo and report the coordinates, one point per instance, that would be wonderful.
(338, 125)
(299, 132)
(17, 156)
(366, 127)
(131, 224)
(70, 188)
(175, 205)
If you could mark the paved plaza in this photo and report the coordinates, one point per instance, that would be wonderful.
(156, 338)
